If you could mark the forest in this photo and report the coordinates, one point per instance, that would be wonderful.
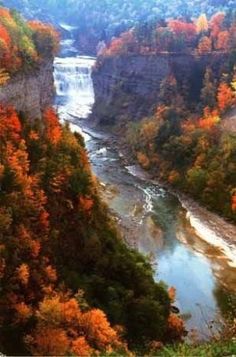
(101, 20)
(23, 45)
(184, 141)
(70, 285)
(62, 283)
(63, 289)
(200, 36)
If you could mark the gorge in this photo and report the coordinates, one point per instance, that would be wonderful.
(117, 179)
(153, 220)
(127, 86)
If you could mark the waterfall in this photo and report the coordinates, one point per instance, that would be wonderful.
(74, 86)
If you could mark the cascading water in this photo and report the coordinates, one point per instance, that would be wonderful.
(74, 85)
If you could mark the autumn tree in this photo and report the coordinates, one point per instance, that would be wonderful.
(225, 97)
(205, 45)
(216, 26)
(223, 41)
(202, 24)
(51, 126)
(62, 328)
(209, 119)
(184, 32)
(45, 37)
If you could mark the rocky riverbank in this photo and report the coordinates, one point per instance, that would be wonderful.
(210, 227)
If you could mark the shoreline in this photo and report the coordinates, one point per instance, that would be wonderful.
(211, 228)
(208, 225)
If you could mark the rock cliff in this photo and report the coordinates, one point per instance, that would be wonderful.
(127, 87)
(30, 92)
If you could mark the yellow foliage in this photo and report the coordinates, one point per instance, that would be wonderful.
(4, 77)
(202, 23)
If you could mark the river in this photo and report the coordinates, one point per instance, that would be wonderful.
(151, 219)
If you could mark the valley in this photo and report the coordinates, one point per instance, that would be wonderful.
(152, 220)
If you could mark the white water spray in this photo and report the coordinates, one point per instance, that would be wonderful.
(74, 83)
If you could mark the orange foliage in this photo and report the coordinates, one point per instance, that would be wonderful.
(49, 342)
(176, 326)
(23, 273)
(10, 127)
(82, 332)
(80, 347)
(52, 126)
(5, 13)
(98, 330)
(172, 293)
(225, 97)
(24, 312)
(86, 203)
(210, 118)
(233, 202)
(35, 247)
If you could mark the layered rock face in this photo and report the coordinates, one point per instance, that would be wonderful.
(30, 93)
(127, 87)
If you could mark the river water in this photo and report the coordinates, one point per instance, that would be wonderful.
(153, 220)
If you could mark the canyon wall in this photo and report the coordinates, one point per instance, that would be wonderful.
(127, 87)
(30, 92)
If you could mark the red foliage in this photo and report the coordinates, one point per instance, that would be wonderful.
(86, 203)
(10, 126)
(233, 203)
(52, 126)
(181, 28)
(216, 23)
(176, 326)
(4, 35)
